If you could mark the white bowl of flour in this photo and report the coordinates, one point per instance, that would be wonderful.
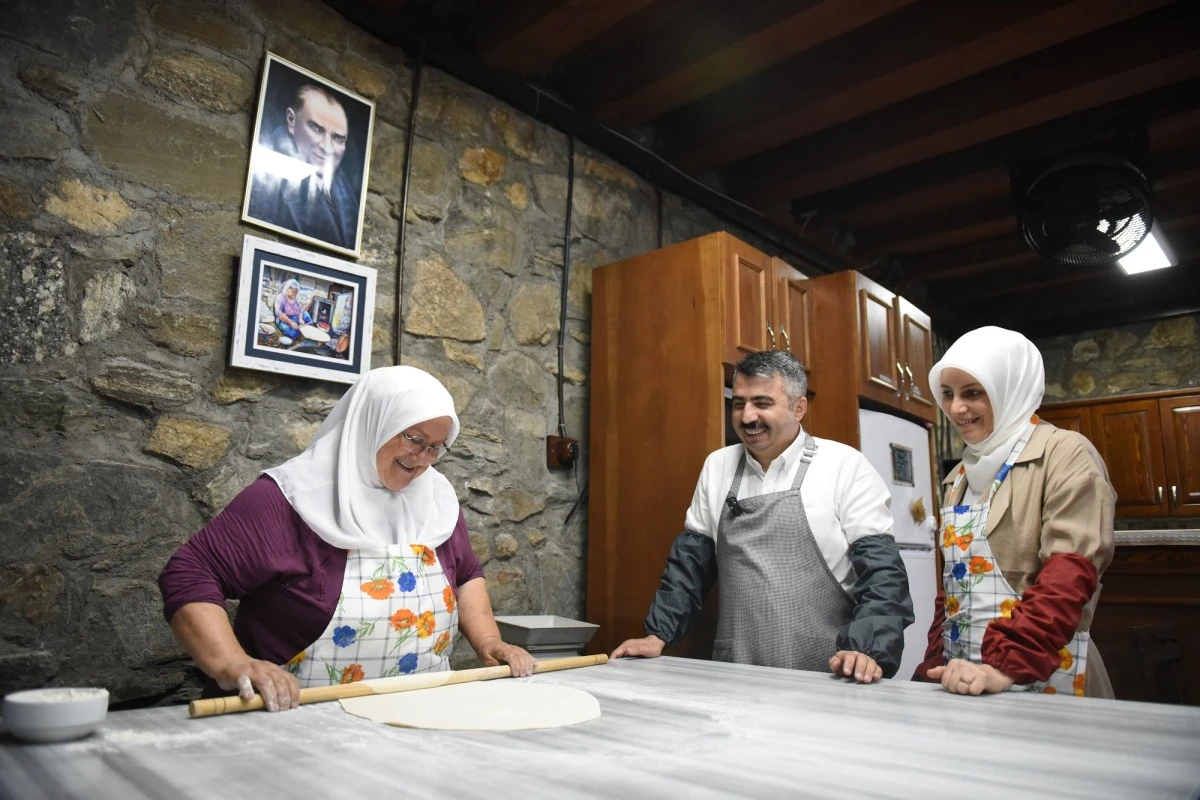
(54, 715)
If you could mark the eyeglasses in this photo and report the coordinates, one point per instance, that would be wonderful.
(419, 444)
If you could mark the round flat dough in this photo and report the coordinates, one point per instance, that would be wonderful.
(500, 705)
(314, 333)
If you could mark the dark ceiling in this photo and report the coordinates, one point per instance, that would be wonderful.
(879, 132)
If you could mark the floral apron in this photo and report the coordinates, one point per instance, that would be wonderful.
(397, 614)
(977, 592)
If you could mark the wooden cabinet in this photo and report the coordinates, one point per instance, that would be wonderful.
(874, 345)
(1151, 446)
(767, 304)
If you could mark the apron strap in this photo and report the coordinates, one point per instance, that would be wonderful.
(806, 456)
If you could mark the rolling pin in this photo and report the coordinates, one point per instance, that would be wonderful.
(214, 706)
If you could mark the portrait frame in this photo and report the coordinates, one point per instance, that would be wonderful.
(289, 188)
(322, 330)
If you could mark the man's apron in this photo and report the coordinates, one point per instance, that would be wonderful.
(397, 615)
(977, 592)
(780, 606)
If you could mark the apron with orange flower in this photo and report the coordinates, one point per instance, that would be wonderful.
(397, 614)
(977, 592)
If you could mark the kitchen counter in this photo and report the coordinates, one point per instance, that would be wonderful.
(670, 728)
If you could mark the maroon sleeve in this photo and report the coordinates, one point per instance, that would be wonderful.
(457, 556)
(1026, 646)
(935, 652)
(235, 553)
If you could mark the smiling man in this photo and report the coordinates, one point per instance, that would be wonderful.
(300, 186)
(799, 532)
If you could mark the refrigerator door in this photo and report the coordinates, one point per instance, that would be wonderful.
(922, 583)
(899, 452)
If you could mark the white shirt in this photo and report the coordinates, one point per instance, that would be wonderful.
(844, 497)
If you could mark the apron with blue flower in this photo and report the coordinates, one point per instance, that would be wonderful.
(978, 593)
(397, 614)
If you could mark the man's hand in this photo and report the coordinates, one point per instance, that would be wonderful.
(648, 647)
(853, 664)
(965, 677)
(279, 688)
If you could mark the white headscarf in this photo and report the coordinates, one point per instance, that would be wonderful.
(334, 485)
(1009, 368)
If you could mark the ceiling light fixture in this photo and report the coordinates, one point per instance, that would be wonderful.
(1153, 253)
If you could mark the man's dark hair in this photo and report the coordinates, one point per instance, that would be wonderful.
(770, 363)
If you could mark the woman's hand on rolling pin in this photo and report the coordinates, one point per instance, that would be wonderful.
(279, 688)
(965, 677)
(521, 662)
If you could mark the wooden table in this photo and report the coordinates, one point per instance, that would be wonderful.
(670, 728)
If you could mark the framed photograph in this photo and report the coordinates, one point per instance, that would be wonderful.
(309, 158)
(302, 313)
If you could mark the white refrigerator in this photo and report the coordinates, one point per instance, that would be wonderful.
(899, 451)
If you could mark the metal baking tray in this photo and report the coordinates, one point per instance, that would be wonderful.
(538, 629)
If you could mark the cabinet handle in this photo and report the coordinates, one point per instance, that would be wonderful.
(911, 384)
(900, 388)
(1174, 495)
(771, 333)
(787, 340)
(1160, 494)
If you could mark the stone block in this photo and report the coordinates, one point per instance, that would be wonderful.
(104, 301)
(89, 208)
(533, 313)
(189, 442)
(517, 381)
(442, 304)
(33, 591)
(90, 33)
(185, 20)
(184, 334)
(144, 386)
(30, 132)
(197, 258)
(238, 385)
(482, 165)
(33, 300)
(190, 77)
(52, 85)
(15, 201)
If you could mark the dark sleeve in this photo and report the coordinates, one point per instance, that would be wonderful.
(235, 553)
(689, 576)
(883, 605)
(935, 651)
(459, 555)
(1026, 645)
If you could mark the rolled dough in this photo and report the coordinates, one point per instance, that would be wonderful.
(497, 705)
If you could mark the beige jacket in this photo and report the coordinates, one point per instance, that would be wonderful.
(1057, 499)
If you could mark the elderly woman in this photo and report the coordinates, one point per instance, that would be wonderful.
(351, 561)
(1027, 531)
(288, 314)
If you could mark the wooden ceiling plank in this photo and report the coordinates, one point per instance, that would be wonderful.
(796, 34)
(970, 58)
(989, 183)
(1060, 104)
(562, 28)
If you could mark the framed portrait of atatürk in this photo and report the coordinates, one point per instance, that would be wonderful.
(309, 158)
(302, 313)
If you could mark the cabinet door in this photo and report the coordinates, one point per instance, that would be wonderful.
(1129, 438)
(1181, 450)
(793, 310)
(1070, 418)
(748, 299)
(877, 339)
(916, 356)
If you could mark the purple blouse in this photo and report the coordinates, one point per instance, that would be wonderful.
(287, 578)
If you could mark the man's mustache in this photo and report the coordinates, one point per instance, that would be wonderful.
(757, 426)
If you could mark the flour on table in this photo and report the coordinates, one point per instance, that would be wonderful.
(499, 705)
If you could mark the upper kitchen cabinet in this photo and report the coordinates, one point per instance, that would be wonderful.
(793, 312)
(766, 301)
(885, 338)
(1150, 444)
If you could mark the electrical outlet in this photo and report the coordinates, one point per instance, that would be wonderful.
(561, 452)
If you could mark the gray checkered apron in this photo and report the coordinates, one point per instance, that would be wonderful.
(780, 604)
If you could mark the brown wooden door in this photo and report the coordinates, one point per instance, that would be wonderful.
(1070, 418)
(879, 379)
(749, 299)
(916, 356)
(1180, 417)
(1128, 436)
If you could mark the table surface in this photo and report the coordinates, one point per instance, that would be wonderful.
(669, 728)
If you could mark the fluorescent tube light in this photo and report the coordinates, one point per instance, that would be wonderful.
(1152, 253)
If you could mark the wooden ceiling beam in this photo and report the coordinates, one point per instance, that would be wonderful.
(702, 153)
(767, 185)
(918, 202)
(800, 32)
(556, 31)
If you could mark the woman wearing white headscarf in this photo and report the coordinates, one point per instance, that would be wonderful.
(351, 561)
(1027, 531)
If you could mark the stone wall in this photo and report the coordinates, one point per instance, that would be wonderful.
(123, 159)
(1132, 359)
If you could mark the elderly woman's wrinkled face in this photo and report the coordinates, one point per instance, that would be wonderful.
(967, 405)
(399, 462)
(292, 292)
